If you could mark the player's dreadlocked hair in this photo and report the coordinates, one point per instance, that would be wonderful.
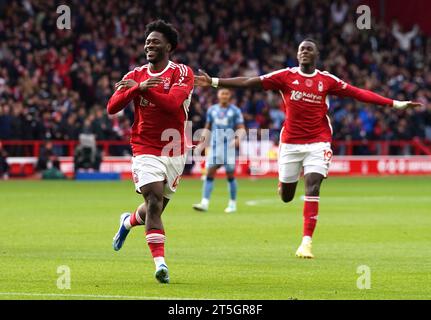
(167, 29)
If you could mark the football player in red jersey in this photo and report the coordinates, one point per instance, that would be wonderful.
(161, 93)
(305, 141)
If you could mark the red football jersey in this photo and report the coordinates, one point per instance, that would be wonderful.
(306, 104)
(161, 112)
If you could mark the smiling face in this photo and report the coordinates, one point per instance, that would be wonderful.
(307, 53)
(156, 47)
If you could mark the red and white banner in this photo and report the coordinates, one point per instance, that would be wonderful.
(381, 165)
(340, 166)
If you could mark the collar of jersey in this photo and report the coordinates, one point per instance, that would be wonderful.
(161, 72)
(306, 74)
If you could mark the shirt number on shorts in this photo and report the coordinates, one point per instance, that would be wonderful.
(175, 183)
(327, 155)
(135, 176)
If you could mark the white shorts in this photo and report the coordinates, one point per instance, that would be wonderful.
(314, 157)
(148, 168)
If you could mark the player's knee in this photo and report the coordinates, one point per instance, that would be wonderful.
(286, 194)
(286, 197)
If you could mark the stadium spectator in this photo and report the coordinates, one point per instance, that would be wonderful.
(339, 11)
(87, 157)
(46, 157)
(53, 172)
(427, 119)
(404, 38)
(4, 166)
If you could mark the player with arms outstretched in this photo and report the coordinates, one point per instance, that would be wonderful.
(161, 92)
(225, 125)
(307, 133)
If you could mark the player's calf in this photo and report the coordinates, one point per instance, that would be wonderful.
(155, 206)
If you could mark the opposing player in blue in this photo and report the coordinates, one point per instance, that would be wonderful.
(225, 124)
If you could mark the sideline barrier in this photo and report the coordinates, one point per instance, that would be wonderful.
(32, 148)
(340, 166)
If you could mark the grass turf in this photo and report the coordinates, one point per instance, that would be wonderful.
(383, 223)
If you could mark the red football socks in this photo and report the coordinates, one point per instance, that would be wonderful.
(311, 211)
(135, 219)
(156, 241)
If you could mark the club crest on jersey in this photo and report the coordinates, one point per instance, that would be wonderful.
(309, 83)
(320, 86)
(166, 83)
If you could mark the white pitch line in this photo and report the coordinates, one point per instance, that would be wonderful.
(95, 296)
(275, 201)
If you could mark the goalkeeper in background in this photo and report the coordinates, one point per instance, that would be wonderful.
(222, 120)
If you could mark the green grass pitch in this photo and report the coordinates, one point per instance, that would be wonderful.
(383, 223)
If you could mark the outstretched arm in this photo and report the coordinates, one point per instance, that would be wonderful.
(370, 97)
(204, 80)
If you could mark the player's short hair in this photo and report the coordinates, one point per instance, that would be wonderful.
(313, 41)
(167, 29)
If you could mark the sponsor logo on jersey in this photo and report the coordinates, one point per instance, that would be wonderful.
(295, 82)
(306, 96)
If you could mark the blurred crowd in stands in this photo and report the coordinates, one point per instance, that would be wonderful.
(55, 84)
